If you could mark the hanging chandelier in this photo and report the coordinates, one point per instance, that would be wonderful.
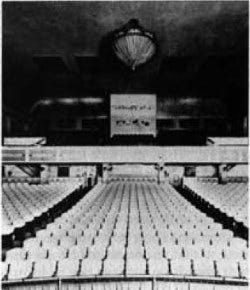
(133, 45)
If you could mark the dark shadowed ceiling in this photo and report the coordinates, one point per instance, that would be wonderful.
(58, 49)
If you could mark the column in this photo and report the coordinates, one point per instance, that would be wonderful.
(105, 172)
(160, 173)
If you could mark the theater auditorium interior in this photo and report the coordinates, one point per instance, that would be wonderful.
(124, 145)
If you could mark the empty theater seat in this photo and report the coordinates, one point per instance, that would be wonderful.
(4, 269)
(244, 269)
(15, 254)
(31, 243)
(90, 267)
(19, 270)
(68, 267)
(181, 267)
(49, 242)
(57, 253)
(113, 266)
(44, 268)
(227, 269)
(230, 253)
(67, 242)
(136, 266)
(34, 254)
(158, 266)
(204, 267)
(77, 252)
(193, 253)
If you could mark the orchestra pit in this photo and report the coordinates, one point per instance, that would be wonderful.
(124, 145)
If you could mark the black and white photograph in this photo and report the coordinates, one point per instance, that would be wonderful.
(124, 145)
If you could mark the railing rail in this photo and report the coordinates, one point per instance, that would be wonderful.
(152, 279)
(199, 155)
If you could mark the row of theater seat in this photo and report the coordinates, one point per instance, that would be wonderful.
(131, 228)
(68, 247)
(152, 266)
(230, 198)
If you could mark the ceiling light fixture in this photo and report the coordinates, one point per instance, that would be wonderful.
(133, 45)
